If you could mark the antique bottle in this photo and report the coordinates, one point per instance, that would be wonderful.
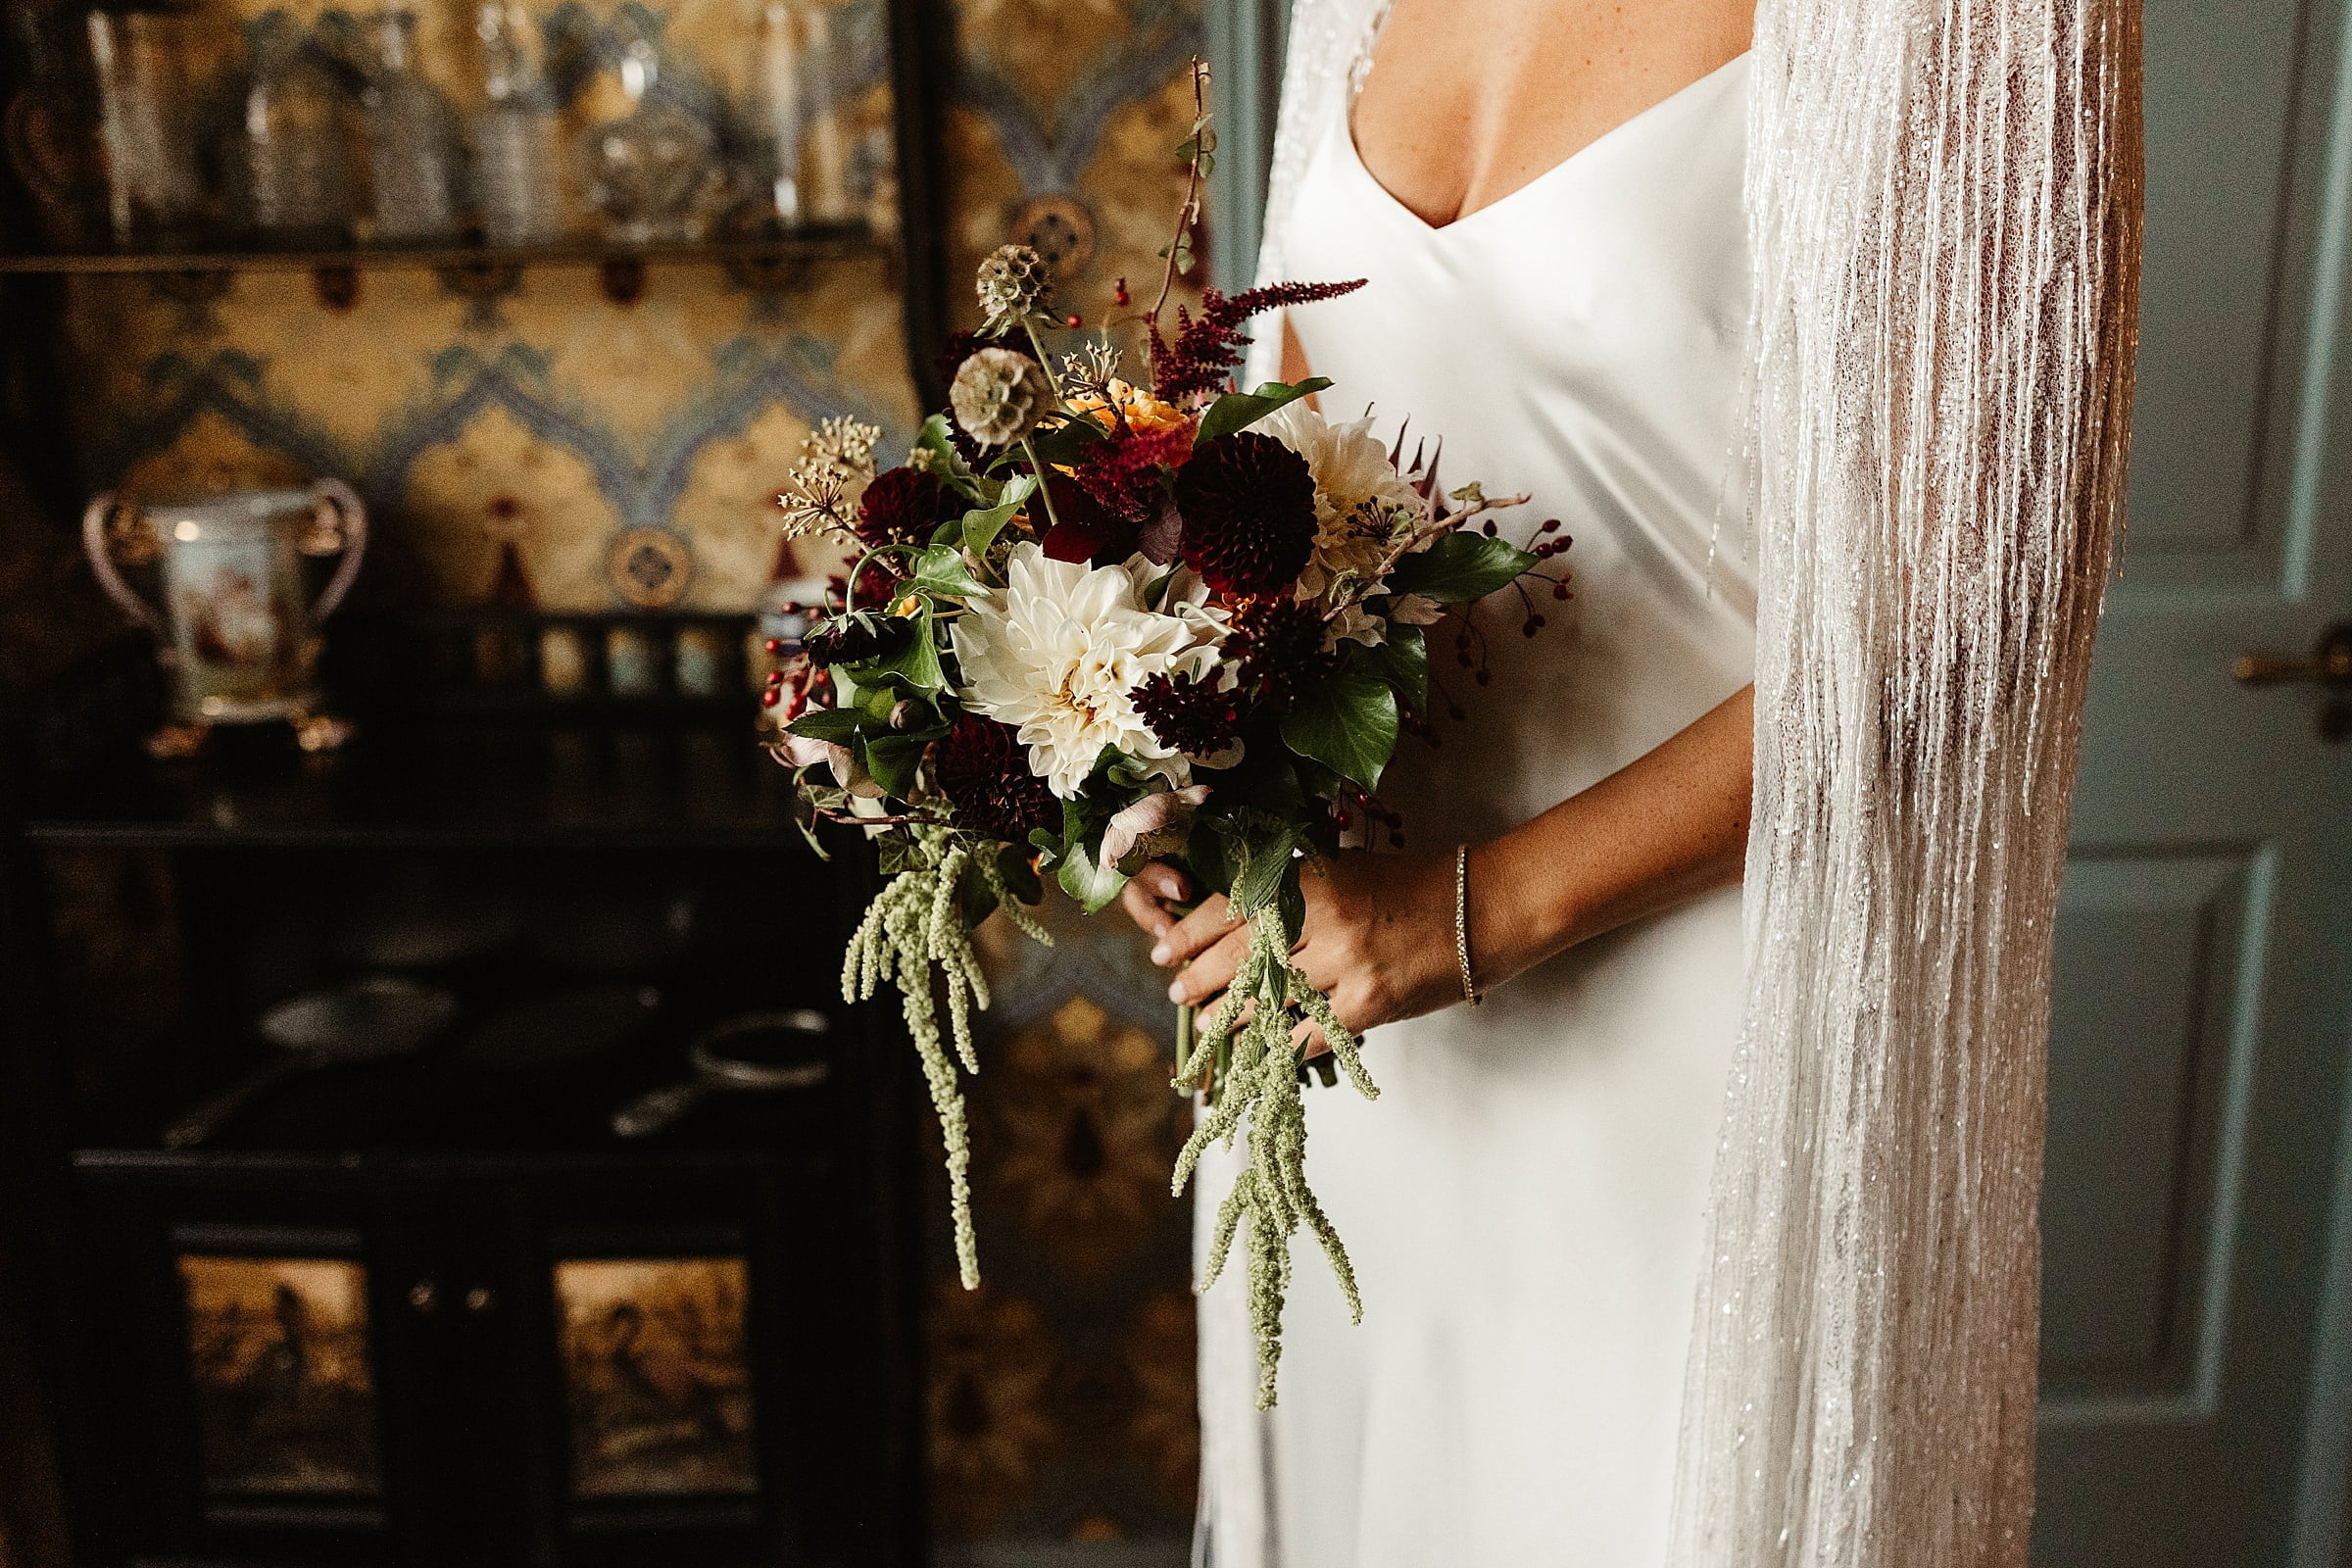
(296, 142)
(411, 146)
(516, 173)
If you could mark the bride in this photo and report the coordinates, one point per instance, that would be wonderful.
(1551, 200)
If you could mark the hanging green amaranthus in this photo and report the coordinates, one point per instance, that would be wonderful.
(1256, 1096)
(918, 936)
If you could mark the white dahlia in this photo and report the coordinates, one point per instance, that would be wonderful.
(1058, 651)
(1361, 502)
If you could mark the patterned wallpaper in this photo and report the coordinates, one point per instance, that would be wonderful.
(536, 408)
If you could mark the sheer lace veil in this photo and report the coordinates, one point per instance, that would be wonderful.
(1944, 201)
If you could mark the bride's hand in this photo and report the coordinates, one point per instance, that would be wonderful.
(1378, 938)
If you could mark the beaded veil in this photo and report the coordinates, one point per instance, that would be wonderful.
(1943, 203)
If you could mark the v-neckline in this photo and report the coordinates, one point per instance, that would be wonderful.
(1356, 154)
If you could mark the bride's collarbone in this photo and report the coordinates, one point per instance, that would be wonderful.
(1469, 100)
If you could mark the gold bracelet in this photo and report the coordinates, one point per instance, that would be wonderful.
(1461, 922)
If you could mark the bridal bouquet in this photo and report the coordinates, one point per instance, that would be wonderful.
(1095, 621)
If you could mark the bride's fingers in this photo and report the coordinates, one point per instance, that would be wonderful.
(1196, 932)
(1145, 909)
(1212, 971)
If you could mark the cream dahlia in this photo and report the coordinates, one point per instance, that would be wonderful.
(1361, 502)
(1058, 652)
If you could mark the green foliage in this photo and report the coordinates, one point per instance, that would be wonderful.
(940, 571)
(1092, 884)
(914, 668)
(981, 528)
(946, 462)
(1350, 724)
(1238, 410)
(1460, 568)
(1402, 661)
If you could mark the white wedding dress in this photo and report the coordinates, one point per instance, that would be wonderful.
(1524, 1202)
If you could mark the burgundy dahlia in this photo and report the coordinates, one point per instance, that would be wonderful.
(1278, 643)
(1189, 714)
(1248, 507)
(905, 507)
(982, 770)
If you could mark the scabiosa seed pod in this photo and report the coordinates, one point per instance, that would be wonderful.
(999, 395)
(1012, 284)
(1248, 507)
(982, 770)
(1189, 713)
(1278, 645)
(903, 507)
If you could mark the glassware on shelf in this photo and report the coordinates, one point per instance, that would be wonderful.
(516, 173)
(779, 113)
(146, 126)
(412, 145)
(296, 142)
(824, 142)
(648, 170)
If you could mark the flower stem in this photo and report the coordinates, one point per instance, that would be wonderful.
(1045, 491)
(1045, 361)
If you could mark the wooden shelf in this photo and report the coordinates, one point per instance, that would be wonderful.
(815, 245)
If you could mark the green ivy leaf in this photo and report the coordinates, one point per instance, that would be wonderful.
(981, 527)
(835, 724)
(941, 571)
(916, 665)
(1238, 410)
(946, 462)
(892, 759)
(1350, 725)
(1091, 883)
(1460, 568)
(1402, 661)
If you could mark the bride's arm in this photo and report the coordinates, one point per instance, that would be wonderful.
(1379, 933)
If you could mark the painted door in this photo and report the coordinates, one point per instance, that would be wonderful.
(2197, 1217)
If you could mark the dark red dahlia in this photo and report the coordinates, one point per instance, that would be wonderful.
(1278, 645)
(905, 507)
(1248, 507)
(1083, 530)
(1189, 714)
(982, 770)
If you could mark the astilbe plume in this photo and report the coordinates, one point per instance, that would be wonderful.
(1248, 509)
(1192, 714)
(1198, 361)
(1126, 475)
(982, 770)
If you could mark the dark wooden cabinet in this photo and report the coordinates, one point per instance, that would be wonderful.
(430, 1308)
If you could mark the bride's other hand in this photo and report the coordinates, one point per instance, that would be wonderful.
(1378, 938)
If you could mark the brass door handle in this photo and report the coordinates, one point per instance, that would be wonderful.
(2329, 663)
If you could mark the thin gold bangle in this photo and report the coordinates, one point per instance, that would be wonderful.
(1461, 922)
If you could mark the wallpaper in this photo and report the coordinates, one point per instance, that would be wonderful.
(551, 409)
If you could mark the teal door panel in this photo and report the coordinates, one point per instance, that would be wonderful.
(2196, 1256)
